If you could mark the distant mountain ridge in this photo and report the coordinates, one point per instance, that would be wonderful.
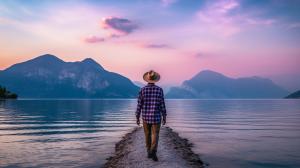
(47, 76)
(295, 95)
(210, 84)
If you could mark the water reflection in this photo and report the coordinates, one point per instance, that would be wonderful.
(82, 133)
(62, 133)
(241, 133)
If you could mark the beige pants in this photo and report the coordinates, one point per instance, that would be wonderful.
(151, 136)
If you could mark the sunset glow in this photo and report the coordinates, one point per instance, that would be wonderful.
(177, 38)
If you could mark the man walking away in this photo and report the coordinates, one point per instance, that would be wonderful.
(151, 104)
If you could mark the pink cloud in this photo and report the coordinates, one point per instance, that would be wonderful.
(225, 17)
(94, 39)
(217, 16)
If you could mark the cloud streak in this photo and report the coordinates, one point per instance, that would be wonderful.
(156, 46)
(94, 39)
(294, 25)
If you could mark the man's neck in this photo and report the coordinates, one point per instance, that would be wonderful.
(151, 83)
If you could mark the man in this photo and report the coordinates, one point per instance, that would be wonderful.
(151, 104)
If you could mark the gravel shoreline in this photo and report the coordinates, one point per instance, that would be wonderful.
(173, 151)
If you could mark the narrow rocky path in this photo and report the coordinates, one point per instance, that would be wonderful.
(173, 151)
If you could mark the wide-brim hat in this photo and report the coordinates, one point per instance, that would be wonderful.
(151, 76)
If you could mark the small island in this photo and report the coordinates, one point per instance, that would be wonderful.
(5, 94)
(295, 95)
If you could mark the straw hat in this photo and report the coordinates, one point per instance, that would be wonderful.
(151, 76)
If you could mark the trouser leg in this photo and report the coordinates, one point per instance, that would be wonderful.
(154, 137)
(147, 131)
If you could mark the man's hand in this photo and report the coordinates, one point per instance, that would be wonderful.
(164, 121)
(138, 121)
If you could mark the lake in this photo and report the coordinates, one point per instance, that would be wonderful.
(83, 133)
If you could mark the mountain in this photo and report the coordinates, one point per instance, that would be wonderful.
(295, 95)
(47, 76)
(210, 84)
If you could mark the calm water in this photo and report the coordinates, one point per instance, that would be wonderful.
(82, 133)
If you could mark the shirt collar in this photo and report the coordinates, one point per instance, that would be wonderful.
(150, 84)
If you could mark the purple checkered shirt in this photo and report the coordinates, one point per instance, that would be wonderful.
(151, 104)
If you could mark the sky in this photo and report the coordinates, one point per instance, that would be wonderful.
(177, 38)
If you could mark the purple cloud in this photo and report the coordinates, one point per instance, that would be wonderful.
(94, 39)
(122, 25)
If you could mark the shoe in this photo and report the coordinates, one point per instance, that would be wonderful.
(154, 157)
(149, 155)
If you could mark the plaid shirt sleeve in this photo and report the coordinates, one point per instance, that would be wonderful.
(139, 105)
(163, 105)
